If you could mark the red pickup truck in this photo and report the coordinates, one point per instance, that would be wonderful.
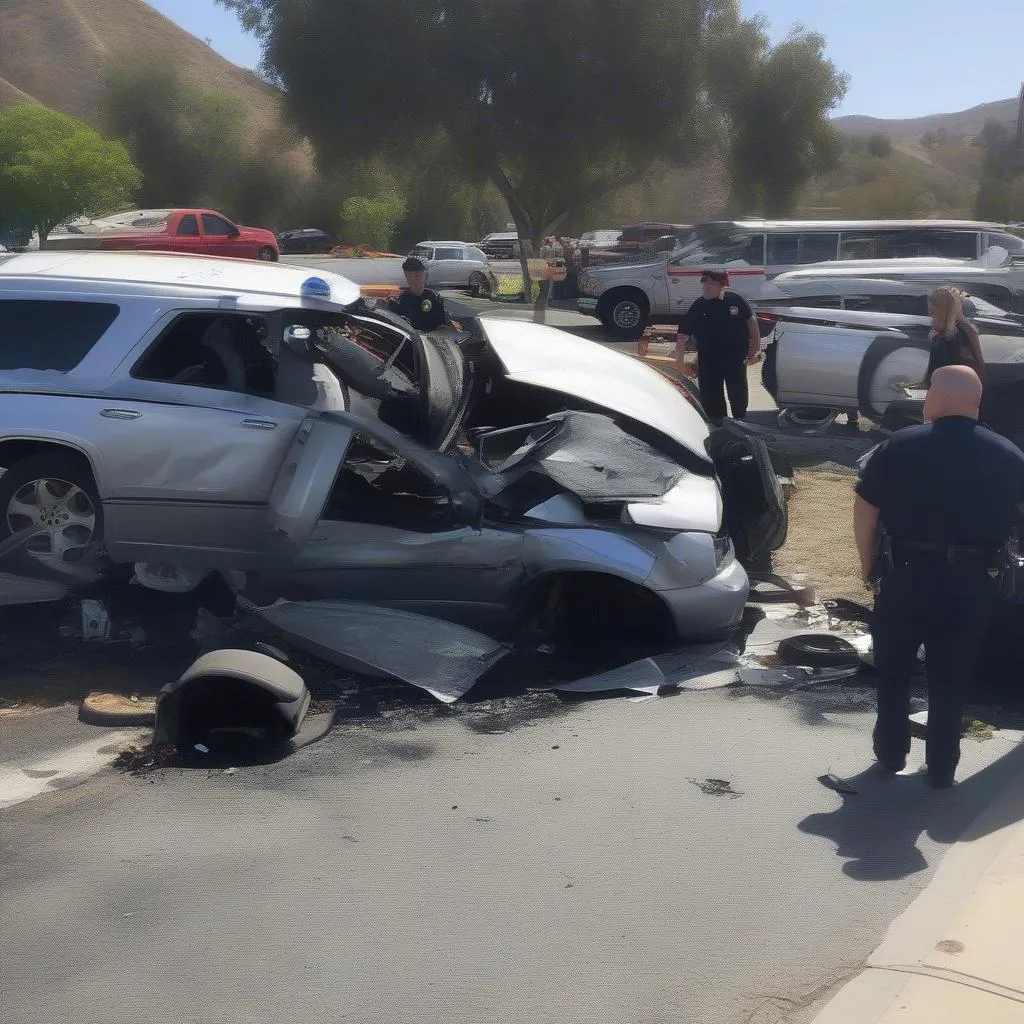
(195, 231)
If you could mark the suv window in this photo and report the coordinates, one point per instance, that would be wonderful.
(888, 245)
(37, 334)
(216, 225)
(907, 305)
(478, 255)
(1011, 243)
(212, 350)
(188, 225)
(423, 252)
(713, 246)
(449, 253)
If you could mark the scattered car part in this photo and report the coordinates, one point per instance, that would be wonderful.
(115, 709)
(168, 578)
(824, 650)
(700, 667)
(768, 588)
(839, 785)
(851, 611)
(95, 620)
(231, 692)
(440, 657)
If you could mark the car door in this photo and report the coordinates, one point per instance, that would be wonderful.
(190, 463)
(186, 237)
(221, 237)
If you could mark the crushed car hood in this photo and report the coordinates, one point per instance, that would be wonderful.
(553, 359)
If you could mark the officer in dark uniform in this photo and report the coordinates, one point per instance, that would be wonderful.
(727, 339)
(936, 507)
(418, 304)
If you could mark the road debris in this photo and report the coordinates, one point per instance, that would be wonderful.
(833, 782)
(716, 787)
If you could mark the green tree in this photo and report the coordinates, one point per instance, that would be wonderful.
(777, 100)
(57, 168)
(188, 142)
(929, 140)
(554, 104)
(1001, 165)
(373, 219)
(1015, 199)
(880, 145)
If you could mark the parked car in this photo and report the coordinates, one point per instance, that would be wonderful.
(603, 238)
(456, 265)
(501, 245)
(250, 417)
(865, 356)
(204, 232)
(298, 241)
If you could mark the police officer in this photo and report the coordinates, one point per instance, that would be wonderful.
(941, 501)
(418, 304)
(727, 340)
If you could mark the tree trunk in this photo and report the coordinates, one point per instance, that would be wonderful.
(44, 234)
(524, 228)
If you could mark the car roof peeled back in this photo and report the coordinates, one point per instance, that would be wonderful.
(160, 273)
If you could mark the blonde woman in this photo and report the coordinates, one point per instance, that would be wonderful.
(953, 337)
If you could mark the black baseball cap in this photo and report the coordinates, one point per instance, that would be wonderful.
(413, 263)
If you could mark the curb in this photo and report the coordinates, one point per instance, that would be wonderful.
(115, 709)
(954, 954)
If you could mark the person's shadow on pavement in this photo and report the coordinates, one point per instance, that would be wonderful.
(878, 828)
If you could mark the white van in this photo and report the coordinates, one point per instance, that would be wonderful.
(626, 296)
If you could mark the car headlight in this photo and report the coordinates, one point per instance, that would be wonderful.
(723, 550)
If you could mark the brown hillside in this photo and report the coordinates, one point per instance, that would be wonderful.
(962, 122)
(57, 52)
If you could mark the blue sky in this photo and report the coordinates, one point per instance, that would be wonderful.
(906, 58)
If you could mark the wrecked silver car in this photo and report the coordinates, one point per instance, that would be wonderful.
(236, 416)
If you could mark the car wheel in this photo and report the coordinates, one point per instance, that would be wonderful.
(806, 417)
(625, 314)
(55, 493)
(818, 650)
(479, 286)
(267, 254)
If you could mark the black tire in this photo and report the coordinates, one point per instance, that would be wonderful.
(267, 254)
(479, 286)
(818, 650)
(624, 313)
(66, 473)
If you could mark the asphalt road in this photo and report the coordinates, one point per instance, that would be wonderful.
(520, 860)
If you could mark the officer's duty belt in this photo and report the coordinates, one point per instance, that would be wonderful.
(951, 552)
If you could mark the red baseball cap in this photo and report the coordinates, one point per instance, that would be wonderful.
(719, 276)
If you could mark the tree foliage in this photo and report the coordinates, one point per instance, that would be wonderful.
(777, 100)
(1003, 162)
(57, 168)
(880, 145)
(555, 104)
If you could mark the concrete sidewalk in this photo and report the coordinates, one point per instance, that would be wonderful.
(957, 954)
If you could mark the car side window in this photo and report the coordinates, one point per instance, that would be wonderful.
(212, 350)
(478, 255)
(188, 226)
(215, 225)
(38, 334)
(447, 253)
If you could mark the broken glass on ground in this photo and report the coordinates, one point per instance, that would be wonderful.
(716, 787)
(440, 657)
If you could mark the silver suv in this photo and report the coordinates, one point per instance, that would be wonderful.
(231, 415)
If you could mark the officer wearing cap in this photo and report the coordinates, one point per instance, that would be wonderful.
(935, 509)
(418, 304)
(727, 338)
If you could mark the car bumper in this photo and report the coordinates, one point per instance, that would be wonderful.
(710, 608)
(586, 305)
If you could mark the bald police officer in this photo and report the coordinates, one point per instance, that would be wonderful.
(947, 496)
